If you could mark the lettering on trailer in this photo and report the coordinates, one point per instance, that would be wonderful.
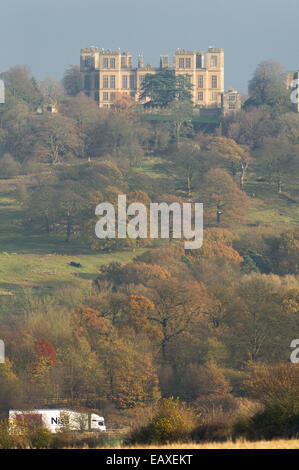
(59, 420)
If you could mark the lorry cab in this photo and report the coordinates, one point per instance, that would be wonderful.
(97, 422)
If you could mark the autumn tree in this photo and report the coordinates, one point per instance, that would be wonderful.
(178, 306)
(187, 158)
(276, 160)
(89, 322)
(132, 376)
(205, 381)
(123, 104)
(22, 86)
(288, 127)
(10, 387)
(52, 90)
(257, 305)
(15, 127)
(9, 167)
(44, 349)
(181, 118)
(248, 127)
(87, 116)
(228, 149)
(53, 138)
(276, 385)
(72, 80)
(267, 85)
(285, 252)
(222, 197)
(42, 213)
(137, 311)
(69, 210)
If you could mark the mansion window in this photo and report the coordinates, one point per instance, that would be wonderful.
(200, 96)
(124, 82)
(105, 96)
(214, 61)
(105, 63)
(188, 63)
(105, 81)
(181, 63)
(112, 63)
(214, 96)
(214, 81)
(87, 61)
(112, 81)
(200, 81)
(87, 82)
(132, 81)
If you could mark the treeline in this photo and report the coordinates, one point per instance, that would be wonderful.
(171, 322)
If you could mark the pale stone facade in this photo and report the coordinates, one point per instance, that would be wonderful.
(230, 101)
(106, 73)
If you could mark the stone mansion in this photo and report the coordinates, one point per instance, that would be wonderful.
(106, 73)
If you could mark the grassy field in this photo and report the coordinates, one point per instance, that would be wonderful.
(266, 206)
(241, 444)
(43, 263)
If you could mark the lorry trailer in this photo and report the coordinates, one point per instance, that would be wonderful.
(57, 420)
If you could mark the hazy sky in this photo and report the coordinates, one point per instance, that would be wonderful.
(47, 34)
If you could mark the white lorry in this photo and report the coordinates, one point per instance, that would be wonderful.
(56, 420)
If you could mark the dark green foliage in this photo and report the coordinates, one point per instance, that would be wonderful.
(268, 424)
(254, 261)
(267, 86)
(163, 88)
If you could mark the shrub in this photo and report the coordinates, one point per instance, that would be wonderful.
(62, 439)
(219, 430)
(30, 167)
(217, 425)
(205, 381)
(276, 387)
(40, 438)
(173, 422)
(6, 439)
(9, 167)
(268, 424)
(22, 194)
(13, 436)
